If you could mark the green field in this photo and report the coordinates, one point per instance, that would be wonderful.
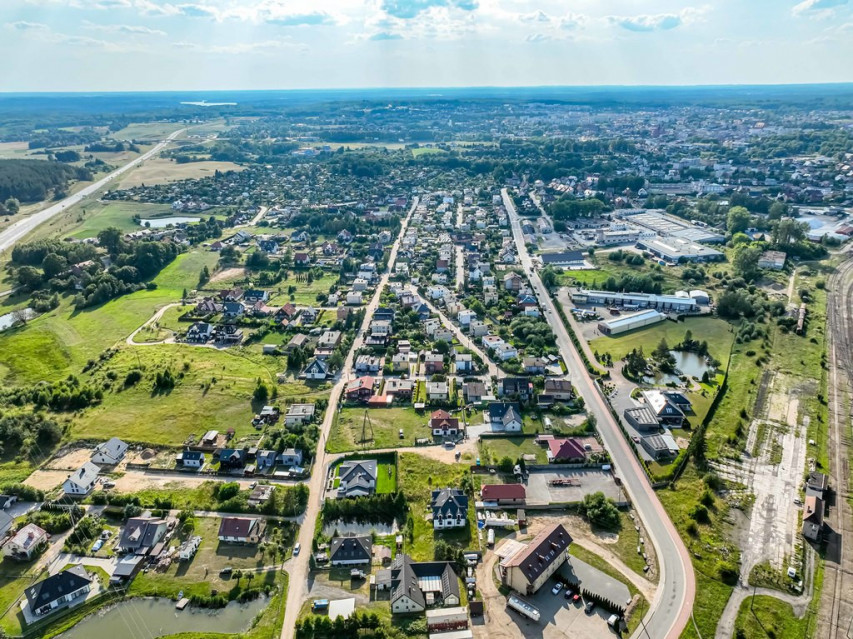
(718, 333)
(764, 616)
(305, 293)
(669, 276)
(493, 449)
(92, 217)
(214, 392)
(346, 432)
(147, 130)
(418, 476)
(14, 578)
(426, 150)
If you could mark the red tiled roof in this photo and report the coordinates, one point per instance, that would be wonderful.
(503, 491)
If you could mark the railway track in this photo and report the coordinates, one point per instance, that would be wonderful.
(835, 615)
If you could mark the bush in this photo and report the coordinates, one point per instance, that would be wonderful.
(600, 511)
(699, 513)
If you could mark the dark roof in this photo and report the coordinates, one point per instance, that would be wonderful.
(642, 415)
(513, 385)
(558, 385)
(59, 585)
(548, 546)
(562, 258)
(499, 410)
(192, 454)
(237, 526)
(405, 574)
(449, 500)
(141, 533)
(351, 549)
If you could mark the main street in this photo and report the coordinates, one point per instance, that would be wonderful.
(298, 566)
(672, 607)
(22, 227)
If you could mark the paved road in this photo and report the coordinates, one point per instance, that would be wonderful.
(22, 227)
(298, 567)
(672, 607)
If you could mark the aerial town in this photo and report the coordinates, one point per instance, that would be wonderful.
(440, 368)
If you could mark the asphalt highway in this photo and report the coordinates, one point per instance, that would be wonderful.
(22, 227)
(672, 607)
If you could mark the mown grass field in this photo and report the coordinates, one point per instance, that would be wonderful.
(718, 333)
(162, 170)
(346, 434)
(305, 293)
(494, 449)
(147, 130)
(418, 476)
(15, 576)
(94, 217)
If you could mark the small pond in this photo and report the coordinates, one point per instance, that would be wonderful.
(10, 319)
(355, 528)
(689, 364)
(163, 222)
(151, 618)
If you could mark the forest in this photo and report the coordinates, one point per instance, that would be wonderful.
(34, 180)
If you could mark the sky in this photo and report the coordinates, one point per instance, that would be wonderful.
(149, 45)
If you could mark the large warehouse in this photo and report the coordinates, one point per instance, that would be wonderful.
(630, 322)
(635, 301)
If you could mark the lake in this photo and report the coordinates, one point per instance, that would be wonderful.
(10, 319)
(163, 222)
(151, 618)
(686, 363)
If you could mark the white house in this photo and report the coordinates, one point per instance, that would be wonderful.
(505, 351)
(82, 481)
(110, 452)
(466, 316)
(354, 298)
(25, 543)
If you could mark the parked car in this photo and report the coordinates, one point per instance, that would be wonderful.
(556, 589)
(226, 571)
(590, 606)
(297, 548)
(636, 439)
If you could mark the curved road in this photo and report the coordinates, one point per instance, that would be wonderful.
(672, 607)
(22, 227)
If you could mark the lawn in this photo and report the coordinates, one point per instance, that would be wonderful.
(386, 470)
(14, 578)
(385, 424)
(304, 294)
(626, 545)
(493, 449)
(764, 616)
(718, 333)
(215, 392)
(418, 476)
(426, 150)
(669, 277)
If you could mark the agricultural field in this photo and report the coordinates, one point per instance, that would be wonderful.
(152, 131)
(162, 171)
(385, 423)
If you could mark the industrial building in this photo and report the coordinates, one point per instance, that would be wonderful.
(567, 259)
(678, 249)
(666, 225)
(630, 322)
(635, 301)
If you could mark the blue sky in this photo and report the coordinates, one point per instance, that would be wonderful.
(100, 45)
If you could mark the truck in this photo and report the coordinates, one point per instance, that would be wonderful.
(523, 607)
(490, 537)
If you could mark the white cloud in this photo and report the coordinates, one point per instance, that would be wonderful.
(127, 29)
(385, 35)
(536, 16)
(817, 7)
(314, 18)
(23, 25)
(658, 22)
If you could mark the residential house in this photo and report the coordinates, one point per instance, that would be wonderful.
(443, 423)
(316, 369)
(416, 586)
(658, 446)
(58, 591)
(505, 351)
(141, 535)
(530, 568)
(298, 341)
(110, 452)
(505, 416)
(437, 391)
(230, 458)
(400, 389)
(359, 390)
(773, 260)
(329, 340)
(208, 307)
(299, 414)
(199, 333)
(26, 543)
(464, 362)
(351, 551)
(400, 363)
(642, 418)
(232, 310)
(231, 295)
(354, 298)
(520, 387)
(474, 392)
(566, 450)
(190, 459)
(478, 328)
(301, 258)
(443, 334)
(534, 365)
(369, 364)
(256, 295)
(357, 478)
(433, 363)
(261, 494)
(465, 317)
(665, 410)
(82, 481)
(559, 389)
(240, 530)
(265, 460)
(290, 457)
(513, 282)
(449, 508)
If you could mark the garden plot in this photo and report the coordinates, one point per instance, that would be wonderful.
(772, 470)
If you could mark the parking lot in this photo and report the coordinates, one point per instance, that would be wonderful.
(584, 481)
(562, 618)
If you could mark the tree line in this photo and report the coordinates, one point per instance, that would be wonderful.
(33, 180)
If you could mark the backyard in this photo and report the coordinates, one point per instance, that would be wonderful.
(351, 431)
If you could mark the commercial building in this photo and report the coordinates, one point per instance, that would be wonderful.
(670, 226)
(635, 301)
(528, 569)
(630, 322)
(773, 260)
(678, 249)
(566, 259)
(642, 418)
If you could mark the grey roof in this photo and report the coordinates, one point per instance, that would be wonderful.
(141, 533)
(642, 416)
(499, 410)
(450, 501)
(86, 474)
(405, 574)
(546, 548)
(358, 473)
(351, 549)
(655, 442)
(59, 585)
(113, 447)
(562, 258)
